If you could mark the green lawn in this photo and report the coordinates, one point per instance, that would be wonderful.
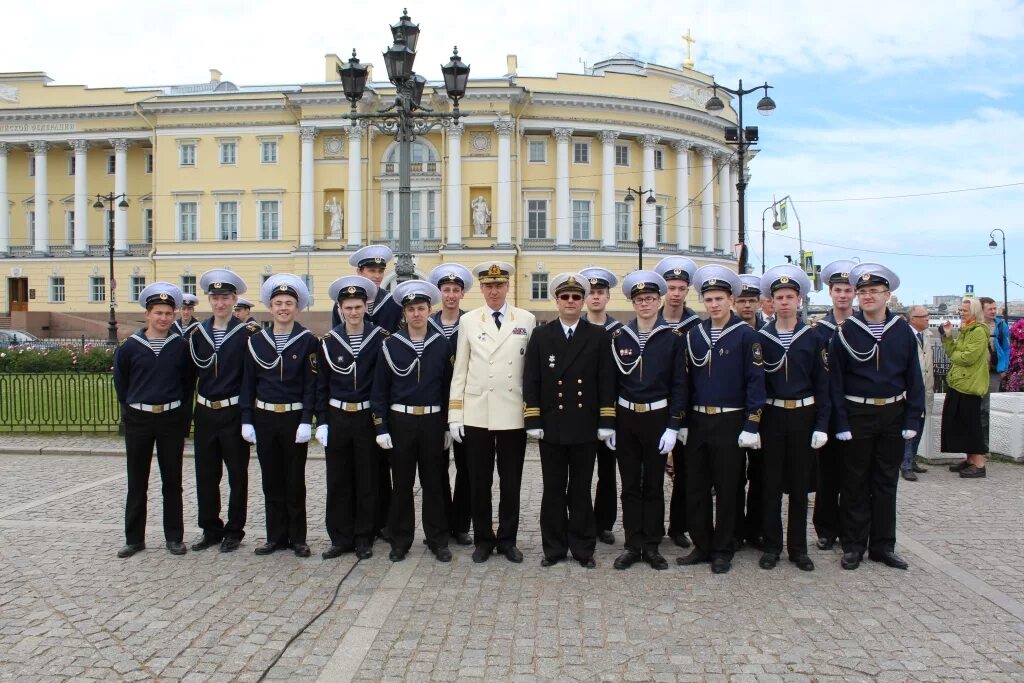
(58, 402)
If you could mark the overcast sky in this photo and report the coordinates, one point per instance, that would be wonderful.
(899, 131)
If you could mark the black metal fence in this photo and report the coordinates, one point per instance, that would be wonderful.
(76, 343)
(58, 402)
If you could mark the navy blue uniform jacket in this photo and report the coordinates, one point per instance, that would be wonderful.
(800, 372)
(286, 377)
(657, 373)
(730, 373)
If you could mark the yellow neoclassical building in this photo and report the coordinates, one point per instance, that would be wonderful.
(265, 179)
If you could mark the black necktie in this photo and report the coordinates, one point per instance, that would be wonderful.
(497, 318)
(568, 337)
(920, 339)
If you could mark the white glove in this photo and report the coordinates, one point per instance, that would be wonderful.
(818, 439)
(603, 434)
(682, 435)
(749, 440)
(384, 441)
(447, 441)
(321, 435)
(844, 436)
(249, 434)
(535, 434)
(909, 434)
(457, 430)
(668, 440)
(303, 433)
(610, 442)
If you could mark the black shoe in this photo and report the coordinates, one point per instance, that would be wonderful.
(909, 475)
(481, 553)
(681, 540)
(972, 472)
(606, 536)
(548, 561)
(511, 553)
(364, 552)
(442, 554)
(850, 560)
(588, 563)
(335, 551)
(917, 468)
(397, 554)
(720, 565)
(130, 549)
(962, 465)
(463, 538)
(627, 559)
(230, 544)
(889, 559)
(768, 561)
(803, 562)
(301, 550)
(656, 560)
(825, 543)
(267, 548)
(204, 542)
(176, 548)
(695, 557)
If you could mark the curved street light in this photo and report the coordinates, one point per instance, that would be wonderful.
(992, 245)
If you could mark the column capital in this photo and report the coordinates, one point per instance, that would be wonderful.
(3, 148)
(80, 146)
(722, 157)
(455, 130)
(120, 144)
(356, 130)
(704, 150)
(681, 145)
(734, 165)
(39, 146)
(308, 133)
(504, 128)
(562, 134)
(649, 141)
(609, 136)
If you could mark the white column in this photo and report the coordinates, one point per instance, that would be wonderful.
(82, 205)
(724, 235)
(306, 221)
(734, 199)
(682, 212)
(454, 190)
(120, 187)
(647, 210)
(504, 231)
(5, 214)
(608, 138)
(707, 201)
(42, 199)
(563, 226)
(354, 193)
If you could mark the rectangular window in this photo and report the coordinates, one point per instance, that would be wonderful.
(31, 166)
(188, 284)
(111, 164)
(268, 152)
(622, 222)
(581, 152)
(147, 226)
(431, 215)
(57, 289)
(148, 163)
(622, 155)
(414, 215)
(97, 289)
(228, 153)
(71, 164)
(659, 160)
(581, 219)
(69, 226)
(227, 220)
(188, 221)
(538, 286)
(537, 218)
(138, 283)
(538, 152)
(659, 224)
(270, 220)
(187, 154)
(389, 215)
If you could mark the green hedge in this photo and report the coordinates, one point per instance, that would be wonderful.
(91, 359)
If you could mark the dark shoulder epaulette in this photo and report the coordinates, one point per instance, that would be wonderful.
(679, 332)
(617, 332)
(385, 332)
(122, 342)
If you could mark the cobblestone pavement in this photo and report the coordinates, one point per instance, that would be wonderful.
(70, 609)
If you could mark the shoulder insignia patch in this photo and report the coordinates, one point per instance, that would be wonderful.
(252, 326)
(679, 332)
(312, 362)
(616, 333)
(824, 359)
(756, 351)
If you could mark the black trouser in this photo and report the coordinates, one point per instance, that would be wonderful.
(166, 431)
(418, 442)
(606, 495)
(826, 495)
(713, 458)
(677, 506)
(483, 448)
(383, 489)
(566, 513)
(642, 469)
(871, 469)
(352, 459)
(749, 495)
(457, 507)
(218, 446)
(788, 459)
(283, 466)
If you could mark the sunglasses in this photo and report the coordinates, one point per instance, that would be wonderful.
(570, 297)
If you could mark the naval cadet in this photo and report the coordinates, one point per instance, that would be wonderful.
(749, 301)
(796, 414)
(371, 262)
(652, 399)
(154, 379)
(188, 320)
(569, 395)
(879, 397)
(278, 399)
(727, 397)
(243, 310)
(606, 492)
(347, 362)
(218, 347)
(409, 401)
(452, 280)
(749, 498)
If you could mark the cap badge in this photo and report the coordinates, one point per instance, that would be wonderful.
(712, 281)
(593, 280)
(218, 285)
(677, 271)
(571, 281)
(784, 279)
(494, 270)
(844, 275)
(865, 277)
(283, 288)
(163, 296)
(452, 276)
(351, 290)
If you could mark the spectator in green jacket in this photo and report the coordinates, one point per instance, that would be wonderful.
(967, 383)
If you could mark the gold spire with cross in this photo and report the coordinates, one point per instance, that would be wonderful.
(689, 43)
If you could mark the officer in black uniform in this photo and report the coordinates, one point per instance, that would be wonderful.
(727, 391)
(749, 497)
(409, 401)
(218, 347)
(348, 360)
(652, 398)
(278, 399)
(879, 397)
(606, 493)
(795, 417)
(154, 380)
(188, 320)
(569, 394)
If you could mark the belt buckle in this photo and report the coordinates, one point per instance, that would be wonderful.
(878, 401)
(157, 409)
(280, 407)
(216, 405)
(713, 410)
(417, 410)
(789, 403)
(639, 407)
(348, 407)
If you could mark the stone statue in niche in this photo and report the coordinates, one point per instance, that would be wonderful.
(334, 208)
(481, 217)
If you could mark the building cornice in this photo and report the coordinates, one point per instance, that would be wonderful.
(65, 113)
(627, 105)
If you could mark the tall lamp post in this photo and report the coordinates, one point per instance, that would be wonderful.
(407, 118)
(743, 138)
(102, 202)
(631, 196)
(992, 245)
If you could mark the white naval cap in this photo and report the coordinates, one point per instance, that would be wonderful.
(373, 255)
(160, 293)
(285, 283)
(750, 286)
(493, 271)
(676, 268)
(416, 291)
(715, 276)
(242, 303)
(221, 281)
(352, 287)
(189, 299)
(786, 275)
(600, 278)
(451, 273)
(567, 282)
(837, 272)
(866, 274)
(643, 282)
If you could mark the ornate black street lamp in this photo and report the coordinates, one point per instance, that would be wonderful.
(992, 245)
(102, 202)
(631, 196)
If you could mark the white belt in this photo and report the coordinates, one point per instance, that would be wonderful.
(278, 407)
(714, 410)
(216, 405)
(874, 401)
(415, 410)
(790, 403)
(643, 407)
(349, 407)
(146, 408)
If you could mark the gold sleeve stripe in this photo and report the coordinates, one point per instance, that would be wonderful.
(607, 412)
(455, 405)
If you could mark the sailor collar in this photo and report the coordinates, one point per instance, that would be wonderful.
(140, 336)
(771, 332)
(706, 328)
